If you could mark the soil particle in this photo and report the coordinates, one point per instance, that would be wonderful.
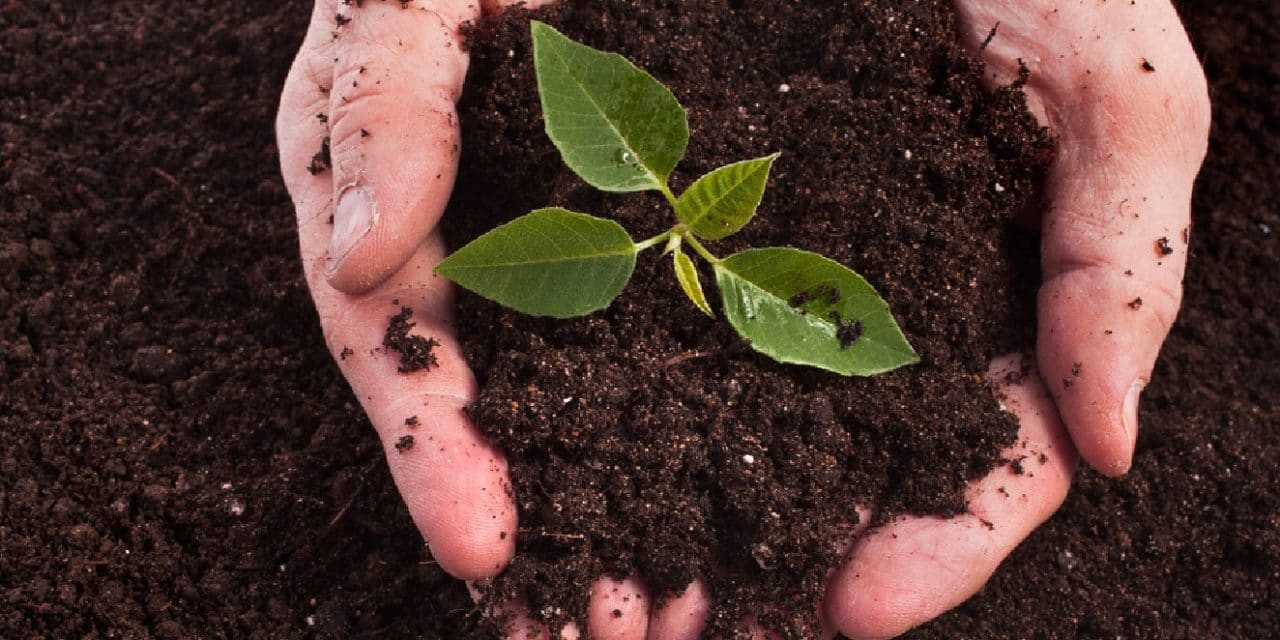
(800, 299)
(404, 444)
(1163, 247)
(848, 332)
(1136, 303)
(1016, 465)
(416, 352)
(157, 364)
(321, 161)
(1147, 66)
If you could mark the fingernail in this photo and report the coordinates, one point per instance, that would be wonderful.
(352, 220)
(1129, 413)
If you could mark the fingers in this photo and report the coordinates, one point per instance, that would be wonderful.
(916, 568)
(619, 610)
(522, 627)
(1120, 88)
(369, 113)
(757, 632)
(453, 482)
(394, 133)
(304, 106)
(681, 617)
(1113, 254)
(1115, 240)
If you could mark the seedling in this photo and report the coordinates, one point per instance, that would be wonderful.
(621, 130)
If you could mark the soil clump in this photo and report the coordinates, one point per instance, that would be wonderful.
(649, 440)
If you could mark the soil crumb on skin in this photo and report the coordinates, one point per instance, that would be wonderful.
(322, 160)
(416, 352)
(889, 143)
(404, 444)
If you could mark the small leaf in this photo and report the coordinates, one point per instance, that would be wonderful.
(614, 124)
(551, 262)
(799, 307)
(687, 274)
(719, 203)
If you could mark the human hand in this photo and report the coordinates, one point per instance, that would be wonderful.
(1120, 88)
(377, 83)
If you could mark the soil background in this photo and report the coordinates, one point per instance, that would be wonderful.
(150, 290)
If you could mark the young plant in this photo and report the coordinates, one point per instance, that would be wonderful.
(621, 130)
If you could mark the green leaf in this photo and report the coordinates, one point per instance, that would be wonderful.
(799, 307)
(551, 262)
(614, 124)
(687, 274)
(719, 203)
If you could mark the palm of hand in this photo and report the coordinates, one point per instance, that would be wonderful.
(1130, 143)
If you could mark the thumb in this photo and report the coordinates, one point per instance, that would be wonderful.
(1115, 240)
(398, 70)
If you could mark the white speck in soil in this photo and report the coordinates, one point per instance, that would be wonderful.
(1067, 560)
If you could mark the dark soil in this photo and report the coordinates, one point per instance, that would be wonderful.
(180, 458)
(649, 430)
(416, 352)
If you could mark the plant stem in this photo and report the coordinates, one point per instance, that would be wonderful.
(671, 197)
(658, 239)
(701, 250)
(674, 242)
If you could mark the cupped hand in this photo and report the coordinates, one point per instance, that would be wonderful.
(368, 142)
(1121, 91)
(368, 138)
(369, 147)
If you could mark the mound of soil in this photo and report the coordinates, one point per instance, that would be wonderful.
(649, 440)
(180, 457)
